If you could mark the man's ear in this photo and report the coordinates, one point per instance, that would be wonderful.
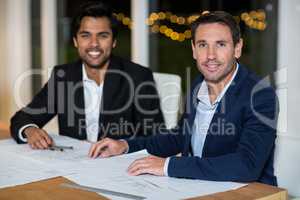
(114, 43)
(75, 42)
(238, 49)
(193, 49)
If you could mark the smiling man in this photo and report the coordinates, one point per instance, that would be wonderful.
(98, 96)
(228, 130)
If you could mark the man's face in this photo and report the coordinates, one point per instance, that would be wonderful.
(215, 53)
(94, 41)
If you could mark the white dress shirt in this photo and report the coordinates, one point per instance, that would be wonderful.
(204, 113)
(92, 100)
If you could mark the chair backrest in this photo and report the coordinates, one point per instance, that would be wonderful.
(169, 90)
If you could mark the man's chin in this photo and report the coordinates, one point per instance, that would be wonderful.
(212, 79)
(97, 65)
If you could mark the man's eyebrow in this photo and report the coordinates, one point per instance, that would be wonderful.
(222, 41)
(200, 41)
(104, 32)
(87, 32)
(83, 32)
(218, 41)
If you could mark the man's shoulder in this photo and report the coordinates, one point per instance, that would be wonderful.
(67, 70)
(131, 68)
(255, 88)
(68, 66)
(252, 80)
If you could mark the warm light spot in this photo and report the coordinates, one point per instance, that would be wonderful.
(149, 22)
(205, 12)
(154, 16)
(253, 14)
(181, 20)
(120, 16)
(174, 36)
(188, 34)
(155, 29)
(126, 21)
(173, 18)
(181, 37)
(162, 29)
(244, 16)
(161, 15)
(261, 15)
(168, 32)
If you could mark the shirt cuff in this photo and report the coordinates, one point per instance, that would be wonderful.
(166, 166)
(20, 135)
(127, 150)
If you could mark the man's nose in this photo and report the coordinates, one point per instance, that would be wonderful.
(211, 54)
(94, 41)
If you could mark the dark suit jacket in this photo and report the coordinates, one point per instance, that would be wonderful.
(239, 145)
(130, 103)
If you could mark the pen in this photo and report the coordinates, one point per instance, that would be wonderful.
(59, 148)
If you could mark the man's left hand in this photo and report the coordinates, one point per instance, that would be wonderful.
(148, 165)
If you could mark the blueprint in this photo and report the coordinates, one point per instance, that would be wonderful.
(20, 164)
(16, 170)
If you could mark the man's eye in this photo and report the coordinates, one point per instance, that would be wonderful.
(85, 35)
(201, 45)
(221, 44)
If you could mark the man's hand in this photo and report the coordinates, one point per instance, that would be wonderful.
(148, 165)
(37, 138)
(108, 147)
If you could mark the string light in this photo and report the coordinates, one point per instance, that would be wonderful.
(255, 19)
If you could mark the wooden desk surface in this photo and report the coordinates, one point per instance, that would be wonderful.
(4, 134)
(51, 189)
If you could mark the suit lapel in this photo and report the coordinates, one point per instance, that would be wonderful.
(111, 87)
(79, 109)
(111, 83)
(227, 102)
(191, 113)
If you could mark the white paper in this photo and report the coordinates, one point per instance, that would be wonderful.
(62, 160)
(16, 170)
(108, 173)
(111, 174)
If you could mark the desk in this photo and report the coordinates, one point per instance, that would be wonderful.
(4, 134)
(51, 189)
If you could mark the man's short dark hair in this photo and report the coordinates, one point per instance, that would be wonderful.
(94, 9)
(218, 17)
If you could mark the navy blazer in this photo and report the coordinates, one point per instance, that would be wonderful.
(240, 142)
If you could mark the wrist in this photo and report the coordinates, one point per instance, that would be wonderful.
(125, 147)
(27, 131)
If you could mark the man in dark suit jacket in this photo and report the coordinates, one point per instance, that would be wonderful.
(228, 130)
(98, 96)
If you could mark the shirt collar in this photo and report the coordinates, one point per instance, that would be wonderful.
(84, 75)
(203, 90)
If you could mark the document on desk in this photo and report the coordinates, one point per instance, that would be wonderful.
(20, 164)
(17, 170)
(110, 174)
(63, 160)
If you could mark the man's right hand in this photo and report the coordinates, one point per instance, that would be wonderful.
(38, 138)
(108, 147)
